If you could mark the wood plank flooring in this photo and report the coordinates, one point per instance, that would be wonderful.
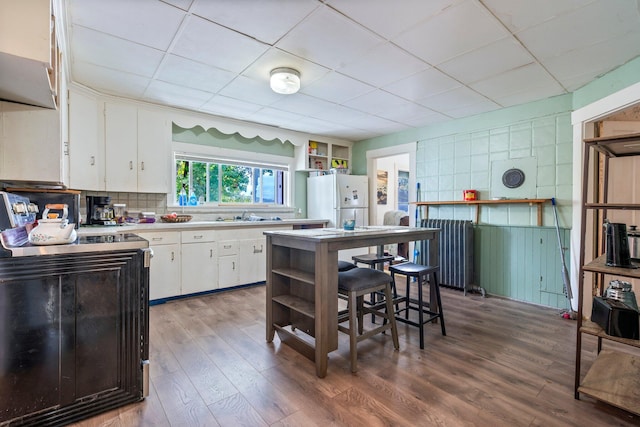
(502, 363)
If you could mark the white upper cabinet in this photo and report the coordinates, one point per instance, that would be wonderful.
(86, 148)
(154, 151)
(29, 53)
(137, 149)
(121, 147)
(31, 144)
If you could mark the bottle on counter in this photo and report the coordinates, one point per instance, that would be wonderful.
(193, 200)
(182, 197)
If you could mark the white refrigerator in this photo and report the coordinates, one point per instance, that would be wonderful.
(338, 197)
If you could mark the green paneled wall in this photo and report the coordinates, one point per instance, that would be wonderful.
(521, 263)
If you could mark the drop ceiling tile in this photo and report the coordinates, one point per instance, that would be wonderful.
(249, 90)
(268, 115)
(257, 19)
(489, 60)
(472, 110)
(329, 39)
(148, 22)
(577, 68)
(209, 43)
(384, 64)
(115, 53)
(301, 104)
(518, 15)
(528, 78)
(455, 98)
(423, 84)
(336, 87)
(407, 113)
(426, 120)
(110, 81)
(338, 114)
(182, 4)
(378, 125)
(185, 72)
(389, 18)
(179, 96)
(455, 31)
(276, 58)
(376, 101)
(527, 94)
(229, 107)
(569, 31)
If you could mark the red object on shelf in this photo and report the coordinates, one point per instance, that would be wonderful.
(469, 195)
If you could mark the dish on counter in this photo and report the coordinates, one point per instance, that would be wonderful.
(176, 218)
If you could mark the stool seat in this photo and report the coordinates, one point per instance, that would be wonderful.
(358, 279)
(422, 274)
(372, 259)
(412, 268)
(355, 283)
(345, 265)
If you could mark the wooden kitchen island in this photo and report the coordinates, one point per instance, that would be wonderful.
(302, 282)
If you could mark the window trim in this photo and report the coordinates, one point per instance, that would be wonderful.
(215, 154)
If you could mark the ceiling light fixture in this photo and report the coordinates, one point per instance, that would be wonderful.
(285, 81)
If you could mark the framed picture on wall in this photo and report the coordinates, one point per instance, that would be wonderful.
(403, 191)
(382, 187)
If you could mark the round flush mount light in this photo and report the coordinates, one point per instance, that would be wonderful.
(513, 178)
(285, 81)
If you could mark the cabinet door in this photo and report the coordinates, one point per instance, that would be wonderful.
(164, 273)
(228, 271)
(154, 152)
(254, 261)
(31, 144)
(86, 162)
(121, 146)
(199, 267)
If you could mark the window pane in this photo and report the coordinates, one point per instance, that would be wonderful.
(198, 179)
(214, 188)
(235, 184)
(182, 176)
(268, 186)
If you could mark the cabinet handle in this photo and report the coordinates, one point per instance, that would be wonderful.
(210, 253)
(141, 165)
(173, 256)
(197, 237)
(130, 165)
(256, 250)
(156, 239)
(226, 246)
(92, 160)
(233, 264)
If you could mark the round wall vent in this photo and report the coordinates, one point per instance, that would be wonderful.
(513, 178)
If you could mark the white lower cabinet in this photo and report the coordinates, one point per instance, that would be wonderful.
(193, 261)
(199, 261)
(228, 267)
(164, 276)
(254, 260)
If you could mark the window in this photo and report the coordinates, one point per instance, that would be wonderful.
(220, 181)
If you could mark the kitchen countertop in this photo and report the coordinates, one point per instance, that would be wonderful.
(193, 225)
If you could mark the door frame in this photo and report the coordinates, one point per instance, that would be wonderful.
(372, 155)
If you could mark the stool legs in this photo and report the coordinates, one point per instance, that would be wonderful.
(420, 305)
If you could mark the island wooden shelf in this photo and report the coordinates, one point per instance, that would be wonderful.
(478, 203)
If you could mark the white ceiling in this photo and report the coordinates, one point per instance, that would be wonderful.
(368, 67)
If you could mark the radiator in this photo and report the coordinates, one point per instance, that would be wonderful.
(455, 251)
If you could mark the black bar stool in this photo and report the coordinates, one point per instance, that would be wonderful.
(345, 265)
(422, 274)
(354, 284)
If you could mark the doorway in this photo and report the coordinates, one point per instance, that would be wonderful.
(391, 172)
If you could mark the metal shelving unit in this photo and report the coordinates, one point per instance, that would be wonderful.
(614, 377)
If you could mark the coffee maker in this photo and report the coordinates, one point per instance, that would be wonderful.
(100, 211)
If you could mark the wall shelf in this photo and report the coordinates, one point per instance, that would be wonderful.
(477, 203)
